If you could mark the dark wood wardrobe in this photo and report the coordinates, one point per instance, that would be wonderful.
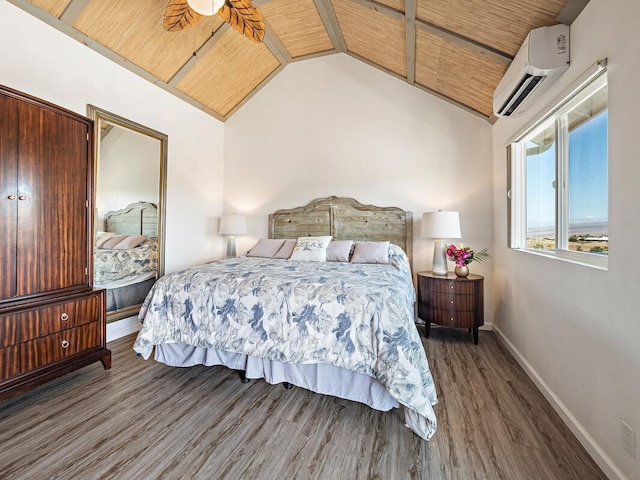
(51, 320)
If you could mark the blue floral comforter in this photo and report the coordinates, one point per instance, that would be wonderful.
(356, 316)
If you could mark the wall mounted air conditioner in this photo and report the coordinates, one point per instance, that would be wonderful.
(542, 58)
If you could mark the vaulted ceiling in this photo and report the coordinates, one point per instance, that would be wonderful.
(457, 50)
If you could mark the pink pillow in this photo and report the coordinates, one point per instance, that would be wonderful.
(286, 250)
(265, 248)
(113, 241)
(339, 250)
(371, 252)
(131, 241)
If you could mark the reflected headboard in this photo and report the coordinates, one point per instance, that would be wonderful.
(345, 219)
(140, 218)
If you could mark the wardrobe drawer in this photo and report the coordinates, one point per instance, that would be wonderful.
(9, 361)
(55, 318)
(9, 330)
(44, 350)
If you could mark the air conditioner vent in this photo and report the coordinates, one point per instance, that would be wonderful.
(526, 87)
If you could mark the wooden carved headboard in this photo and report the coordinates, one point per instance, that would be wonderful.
(140, 218)
(345, 219)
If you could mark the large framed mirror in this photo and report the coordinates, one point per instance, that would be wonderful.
(129, 199)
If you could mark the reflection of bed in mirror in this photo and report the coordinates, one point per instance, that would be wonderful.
(126, 255)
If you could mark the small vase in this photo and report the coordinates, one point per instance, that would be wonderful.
(462, 271)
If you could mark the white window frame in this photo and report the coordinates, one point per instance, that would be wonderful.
(517, 210)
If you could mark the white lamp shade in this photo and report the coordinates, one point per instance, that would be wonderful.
(441, 224)
(233, 224)
(206, 7)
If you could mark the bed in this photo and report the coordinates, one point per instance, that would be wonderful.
(127, 269)
(337, 327)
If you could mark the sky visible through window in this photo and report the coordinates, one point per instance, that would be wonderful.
(588, 196)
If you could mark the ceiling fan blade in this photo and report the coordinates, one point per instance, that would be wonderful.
(179, 16)
(245, 18)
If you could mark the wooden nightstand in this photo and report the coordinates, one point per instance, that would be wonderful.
(451, 301)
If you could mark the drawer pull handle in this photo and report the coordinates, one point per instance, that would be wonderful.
(64, 317)
(65, 344)
(22, 197)
(11, 197)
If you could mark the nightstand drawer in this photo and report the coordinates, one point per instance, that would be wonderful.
(57, 346)
(55, 318)
(456, 287)
(449, 318)
(458, 303)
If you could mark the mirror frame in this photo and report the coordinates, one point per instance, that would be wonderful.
(98, 115)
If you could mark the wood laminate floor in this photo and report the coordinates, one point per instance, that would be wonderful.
(144, 420)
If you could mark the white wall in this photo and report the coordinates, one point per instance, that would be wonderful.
(576, 328)
(40, 61)
(336, 126)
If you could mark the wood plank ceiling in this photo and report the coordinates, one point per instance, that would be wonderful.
(455, 49)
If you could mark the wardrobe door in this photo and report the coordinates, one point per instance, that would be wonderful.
(8, 194)
(52, 201)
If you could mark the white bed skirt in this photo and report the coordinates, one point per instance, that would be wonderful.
(319, 378)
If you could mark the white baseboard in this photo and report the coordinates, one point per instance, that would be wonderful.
(593, 449)
(122, 328)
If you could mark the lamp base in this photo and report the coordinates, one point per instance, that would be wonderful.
(440, 257)
(231, 247)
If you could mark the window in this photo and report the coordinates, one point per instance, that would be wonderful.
(559, 179)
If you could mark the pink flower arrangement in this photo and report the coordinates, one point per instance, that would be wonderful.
(462, 255)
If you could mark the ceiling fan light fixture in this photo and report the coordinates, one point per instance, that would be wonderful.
(206, 7)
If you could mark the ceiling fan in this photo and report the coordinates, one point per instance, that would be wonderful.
(241, 15)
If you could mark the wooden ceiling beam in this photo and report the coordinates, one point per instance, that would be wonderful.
(198, 54)
(330, 22)
(410, 32)
(477, 47)
(275, 46)
(73, 11)
(472, 45)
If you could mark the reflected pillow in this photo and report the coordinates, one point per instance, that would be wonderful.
(265, 248)
(113, 241)
(339, 250)
(286, 250)
(131, 241)
(102, 237)
(311, 249)
(370, 252)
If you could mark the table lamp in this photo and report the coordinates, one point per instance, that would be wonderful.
(232, 225)
(440, 225)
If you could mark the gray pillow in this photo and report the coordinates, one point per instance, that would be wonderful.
(286, 250)
(339, 250)
(265, 248)
(370, 252)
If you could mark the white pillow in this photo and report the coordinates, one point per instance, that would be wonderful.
(311, 249)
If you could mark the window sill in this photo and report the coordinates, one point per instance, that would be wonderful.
(599, 262)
